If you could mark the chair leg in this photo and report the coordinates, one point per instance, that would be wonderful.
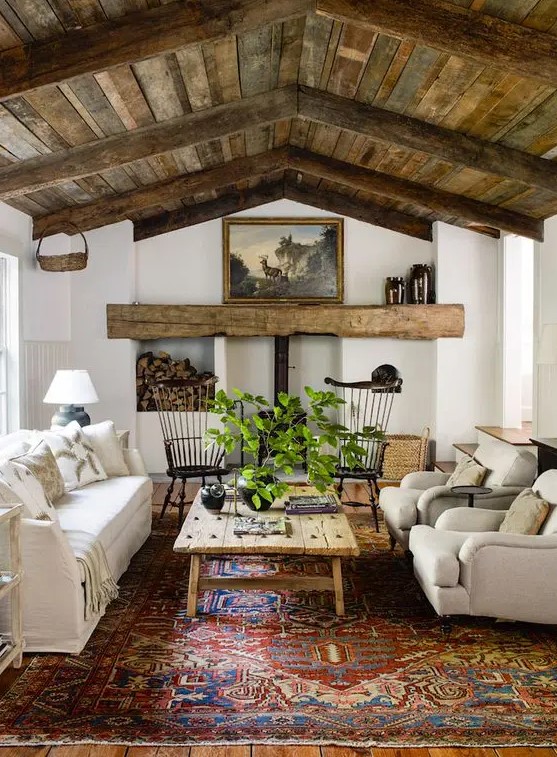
(446, 625)
(181, 503)
(340, 486)
(167, 497)
(372, 483)
(392, 542)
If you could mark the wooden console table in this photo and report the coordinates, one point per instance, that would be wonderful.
(547, 454)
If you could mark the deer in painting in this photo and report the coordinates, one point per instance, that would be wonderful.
(270, 272)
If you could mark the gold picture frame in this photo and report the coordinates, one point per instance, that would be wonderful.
(283, 260)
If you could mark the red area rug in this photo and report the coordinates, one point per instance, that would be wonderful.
(257, 667)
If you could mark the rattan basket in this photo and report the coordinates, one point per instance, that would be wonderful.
(405, 453)
(69, 261)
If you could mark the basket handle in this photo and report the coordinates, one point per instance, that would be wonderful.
(68, 223)
(426, 432)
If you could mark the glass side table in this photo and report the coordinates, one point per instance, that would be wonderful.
(471, 492)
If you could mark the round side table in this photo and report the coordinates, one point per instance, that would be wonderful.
(471, 491)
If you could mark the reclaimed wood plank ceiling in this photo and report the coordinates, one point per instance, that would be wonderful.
(397, 112)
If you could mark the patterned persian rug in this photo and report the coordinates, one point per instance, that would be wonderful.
(257, 667)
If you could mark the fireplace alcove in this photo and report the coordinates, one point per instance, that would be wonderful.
(238, 333)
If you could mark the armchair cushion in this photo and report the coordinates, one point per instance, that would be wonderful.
(399, 505)
(506, 466)
(470, 519)
(468, 472)
(525, 515)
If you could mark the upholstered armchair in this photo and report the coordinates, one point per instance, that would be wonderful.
(423, 496)
(466, 566)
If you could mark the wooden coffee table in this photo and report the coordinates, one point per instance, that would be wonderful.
(205, 533)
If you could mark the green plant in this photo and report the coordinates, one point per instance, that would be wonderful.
(289, 435)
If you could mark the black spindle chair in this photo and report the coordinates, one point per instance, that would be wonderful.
(182, 405)
(366, 403)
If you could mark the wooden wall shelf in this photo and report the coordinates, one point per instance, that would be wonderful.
(395, 321)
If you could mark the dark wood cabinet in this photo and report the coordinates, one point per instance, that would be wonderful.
(547, 454)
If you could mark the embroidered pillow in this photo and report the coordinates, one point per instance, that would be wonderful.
(467, 473)
(7, 495)
(28, 490)
(40, 461)
(108, 448)
(74, 455)
(525, 515)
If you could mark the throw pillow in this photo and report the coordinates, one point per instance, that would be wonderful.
(75, 456)
(28, 490)
(525, 515)
(467, 473)
(7, 495)
(106, 444)
(40, 461)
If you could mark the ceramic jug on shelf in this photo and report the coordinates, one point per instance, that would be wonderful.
(420, 288)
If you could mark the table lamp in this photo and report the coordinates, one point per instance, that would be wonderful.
(71, 390)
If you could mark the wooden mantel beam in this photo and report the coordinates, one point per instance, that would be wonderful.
(439, 201)
(335, 202)
(394, 321)
(121, 149)
(458, 31)
(135, 37)
(449, 145)
(119, 207)
(208, 211)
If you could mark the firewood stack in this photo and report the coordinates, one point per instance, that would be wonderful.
(151, 368)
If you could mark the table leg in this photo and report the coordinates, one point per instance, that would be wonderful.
(470, 500)
(337, 582)
(192, 586)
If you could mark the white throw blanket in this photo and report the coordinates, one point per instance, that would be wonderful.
(100, 586)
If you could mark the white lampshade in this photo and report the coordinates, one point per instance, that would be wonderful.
(547, 351)
(71, 388)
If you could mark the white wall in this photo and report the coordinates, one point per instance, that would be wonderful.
(466, 369)
(109, 277)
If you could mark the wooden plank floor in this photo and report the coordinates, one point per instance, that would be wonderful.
(256, 750)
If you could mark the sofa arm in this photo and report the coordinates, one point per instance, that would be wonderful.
(424, 479)
(477, 542)
(470, 519)
(135, 463)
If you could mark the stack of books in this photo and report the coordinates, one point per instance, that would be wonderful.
(299, 504)
(257, 525)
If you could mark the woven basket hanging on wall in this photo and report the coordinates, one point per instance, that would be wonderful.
(69, 261)
(405, 453)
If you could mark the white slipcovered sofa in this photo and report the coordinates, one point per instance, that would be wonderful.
(117, 511)
(423, 496)
(465, 566)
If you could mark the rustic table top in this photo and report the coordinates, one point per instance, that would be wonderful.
(206, 532)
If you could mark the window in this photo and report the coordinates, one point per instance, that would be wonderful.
(9, 369)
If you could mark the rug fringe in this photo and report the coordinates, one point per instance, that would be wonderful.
(283, 742)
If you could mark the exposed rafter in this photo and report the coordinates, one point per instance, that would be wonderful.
(208, 211)
(457, 31)
(118, 150)
(449, 145)
(335, 202)
(135, 37)
(118, 207)
(446, 203)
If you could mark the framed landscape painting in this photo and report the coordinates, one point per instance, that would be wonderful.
(283, 259)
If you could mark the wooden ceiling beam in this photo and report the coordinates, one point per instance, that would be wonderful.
(455, 30)
(457, 148)
(121, 206)
(208, 211)
(135, 37)
(121, 149)
(335, 202)
(462, 208)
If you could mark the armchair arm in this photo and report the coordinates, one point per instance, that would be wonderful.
(424, 479)
(134, 461)
(510, 575)
(470, 519)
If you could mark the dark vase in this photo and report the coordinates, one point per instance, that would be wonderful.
(212, 497)
(421, 284)
(247, 495)
(394, 290)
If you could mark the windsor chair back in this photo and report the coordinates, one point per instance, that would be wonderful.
(366, 404)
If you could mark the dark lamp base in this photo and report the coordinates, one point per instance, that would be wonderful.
(68, 413)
